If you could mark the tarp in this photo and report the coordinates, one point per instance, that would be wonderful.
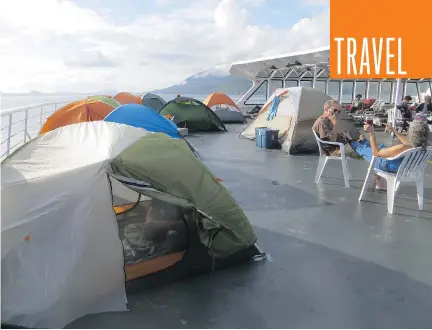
(153, 101)
(127, 98)
(193, 114)
(144, 117)
(297, 111)
(271, 113)
(77, 112)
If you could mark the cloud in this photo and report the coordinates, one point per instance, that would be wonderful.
(90, 59)
(317, 2)
(56, 45)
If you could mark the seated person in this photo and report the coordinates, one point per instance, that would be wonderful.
(325, 127)
(404, 108)
(418, 135)
(426, 106)
(357, 104)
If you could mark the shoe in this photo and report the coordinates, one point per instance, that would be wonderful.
(378, 188)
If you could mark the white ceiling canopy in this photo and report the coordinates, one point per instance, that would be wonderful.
(252, 68)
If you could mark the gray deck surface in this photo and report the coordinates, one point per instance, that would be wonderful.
(332, 262)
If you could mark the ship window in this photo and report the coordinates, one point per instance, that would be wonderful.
(386, 91)
(333, 89)
(373, 90)
(290, 83)
(275, 84)
(324, 73)
(293, 74)
(279, 74)
(320, 85)
(264, 74)
(411, 89)
(424, 87)
(360, 88)
(347, 92)
(259, 96)
(306, 83)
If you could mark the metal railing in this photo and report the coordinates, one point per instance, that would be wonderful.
(21, 124)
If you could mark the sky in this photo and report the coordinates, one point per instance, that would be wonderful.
(140, 45)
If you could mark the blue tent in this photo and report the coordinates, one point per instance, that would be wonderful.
(140, 116)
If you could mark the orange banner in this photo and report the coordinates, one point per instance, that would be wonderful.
(380, 39)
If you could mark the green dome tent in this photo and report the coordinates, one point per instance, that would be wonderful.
(192, 114)
(108, 208)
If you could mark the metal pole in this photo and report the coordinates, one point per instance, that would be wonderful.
(314, 76)
(395, 105)
(9, 135)
(340, 91)
(354, 91)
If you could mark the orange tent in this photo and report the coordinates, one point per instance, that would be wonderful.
(219, 98)
(127, 98)
(77, 112)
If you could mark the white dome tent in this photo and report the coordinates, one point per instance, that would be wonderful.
(297, 111)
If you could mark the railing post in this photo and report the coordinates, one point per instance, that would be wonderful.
(25, 126)
(8, 143)
(41, 113)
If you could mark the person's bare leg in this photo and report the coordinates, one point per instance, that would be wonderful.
(380, 182)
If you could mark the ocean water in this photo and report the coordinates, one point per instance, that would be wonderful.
(37, 116)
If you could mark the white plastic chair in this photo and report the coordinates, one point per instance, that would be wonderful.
(324, 158)
(410, 170)
(359, 118)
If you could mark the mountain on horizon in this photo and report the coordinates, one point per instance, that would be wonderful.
(216, 79)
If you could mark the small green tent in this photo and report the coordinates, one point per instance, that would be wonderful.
(192, 114)
(106, 99)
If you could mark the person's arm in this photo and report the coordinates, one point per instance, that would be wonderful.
(402, 138)
(383, 153)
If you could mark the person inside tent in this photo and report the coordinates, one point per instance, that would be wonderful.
(357, 104)
(418, 135)
(325, 128)
(162, 231)
(426, 106)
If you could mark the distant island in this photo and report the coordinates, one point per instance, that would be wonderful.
(217, 79)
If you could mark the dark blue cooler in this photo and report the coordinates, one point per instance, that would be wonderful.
(266, 138)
